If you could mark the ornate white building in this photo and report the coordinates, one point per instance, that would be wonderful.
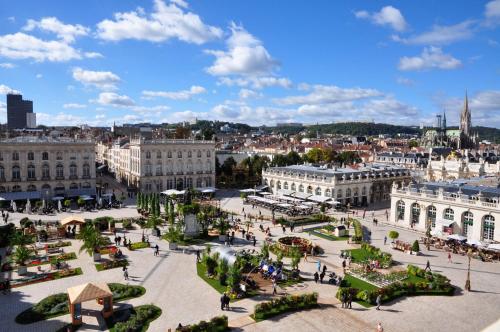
(363, 185)
(406, 160)
(157, 165)
(468, 210)
(452, 169)
(34, 168)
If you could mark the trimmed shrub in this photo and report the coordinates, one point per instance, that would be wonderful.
(216, 324)
(415, 247)
(284, 304)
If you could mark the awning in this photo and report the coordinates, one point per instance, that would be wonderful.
(73, 220)
(475, 243)
(333, 202)
(206, 190)
(262, 187)
(57, 198)
(457, 237)
(494, 246)
(248, 190)
(173, 192)
(301, 195)
(80, 192)
(285, 192)
(265, 193)
(20, 195)
(88, 292)
(445, 222)
(319, 199)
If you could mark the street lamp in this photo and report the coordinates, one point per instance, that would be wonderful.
(467, 282)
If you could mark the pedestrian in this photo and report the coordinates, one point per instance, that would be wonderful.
(305, 256)
(343, 298)
(349, 300)
(125, 274)
(321, 277)
(223, 301)
(385, 240)
(283, 228)
(428, 266)
(274, 287)
(378, 301)
(343, 265)
(226, 302)
(316, 277)
(157, 250)
(124, 240)
(318, 264)
(254, 240)
(197, 255)
(324, 268)
(449, 258)
(349, 259)
(379, 327)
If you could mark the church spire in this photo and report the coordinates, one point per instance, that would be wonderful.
(444, 120)
(465, 122)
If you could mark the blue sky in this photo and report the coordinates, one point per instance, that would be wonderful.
(258, 62)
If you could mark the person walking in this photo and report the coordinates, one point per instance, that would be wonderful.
(318, 265)
(343, 299)
(223, 301)
(428, 266)
(343, 265)
(379, 327)
(324, 268)
(321, 277)
(449, 258)
(274, 287)
(305, 256)
(378, 301)
(197, 255)
(254, 240)
(316, 277)
(349, 300)
(125, 274)
(157, 250)
(385, 240)
(283, 228)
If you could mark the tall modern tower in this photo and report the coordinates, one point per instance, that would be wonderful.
(20, 112)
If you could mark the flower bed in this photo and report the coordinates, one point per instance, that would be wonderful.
(57, 304)
(108, 265)
(139, 245)
(135, 319)
(286, 243)
(216, 324)
(46, 277)
(368, 253)
(58, 244)
(284, 304)
(378, 279)
(317, 218)
(108, 250)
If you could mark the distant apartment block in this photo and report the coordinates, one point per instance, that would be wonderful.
(20, 112)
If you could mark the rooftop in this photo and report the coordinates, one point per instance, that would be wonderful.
(359, 168)
(45, 140)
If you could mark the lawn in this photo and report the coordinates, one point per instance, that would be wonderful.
(315, 231)
(361, 285)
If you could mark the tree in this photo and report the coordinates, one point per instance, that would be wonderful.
(234, 278)
(415, 246)
(228, 165)
(293, 158)
(295, 255)
(393, 235)
(315, 155)
(182, 132)
(92, 239)
(264, 251)
(222, 270)
(21, 255)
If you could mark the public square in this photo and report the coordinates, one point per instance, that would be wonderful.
(172, 284)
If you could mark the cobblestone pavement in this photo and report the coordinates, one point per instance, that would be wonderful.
(173, 285)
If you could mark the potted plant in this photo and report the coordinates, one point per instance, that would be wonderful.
(222, 226)
(415, 247)
(92, 241)
(80, 202)
(393, 235)
(21, 255)
(174, 236)
(67, 203)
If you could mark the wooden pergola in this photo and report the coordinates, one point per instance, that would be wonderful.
(72, 220)
(87, 292)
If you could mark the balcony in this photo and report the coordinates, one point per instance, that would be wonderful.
(59, 177)
(45, 178)
(16, 180)
(159, 174)
(86, 177)
(148, 174)
(31, 178)
(73, 177)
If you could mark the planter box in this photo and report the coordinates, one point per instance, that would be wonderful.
(96, 256)
(172, 246)
(22, 270)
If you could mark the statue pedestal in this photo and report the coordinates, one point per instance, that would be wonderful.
(191, 226)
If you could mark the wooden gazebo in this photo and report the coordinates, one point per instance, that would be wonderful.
(87, 292)
(72, 220)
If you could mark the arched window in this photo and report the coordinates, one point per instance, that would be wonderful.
(431, 216)
(45, 172)
(31, 172)
(31, 187)
(285, 185)
(467, 222)
(415, 213)
(15, 155)
(199, 181)
(45, 155)
(301, 188)
(208, 153)
(318, 191)
(169, 154)
(348, 192)
(189, 154)
(272, 184)
(16, 173)
(148, 169)
(356, 192)
(400, 210)
(31, 156)
(339, 193)
(59, 171)
(363, 191)
(179, 154)
(158, 169)
(208, 182)
(86, 185)
(309, 190)
(73, 171)
(16, 188)
(293, 187)
(2, 173)
(2, 189)
(199, 154)
(489, 227)
(449, 214)
(328, 192)
(190, 183)
(278, 185)
(59, 156)
(158, 154)
(73, 186)
(86, 171)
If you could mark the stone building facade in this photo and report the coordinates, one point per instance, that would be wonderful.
(460, 168)
(360, 186)
(158, 165)
(34, 167)
(469, 210)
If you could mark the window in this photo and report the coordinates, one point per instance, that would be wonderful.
(363, 191)
(301, 188)
(59, 156)
(16, 188)
(190, 183)
(339, 193)
(489, 227)
(415, 213)
(170, 184)
(431, 216)
(158, 169)
(148, 186)
(400, 210)
(189, 154)
(86, 185)
(208, 181)
(449, 214)
(2, 189)
(278, 185)
(2, 172)
(328, 193)
(169, 154)
(467, 221)
(31, 156)
(149, 170)
(59, 171)
(73, 171)
(73, 186)
(15, 155)
(148, 155)
(86, 171)
(199, 182)
(45, 171)
(158, 154)
(16, 173)
(293, 187)
(31, 187)
(318, 191)
(348, 192)
(199, 154)
(208, 153)
(45, 155)
(285, 185)
(309, 190)
(1, 156)
(179, 154)
(31, 172)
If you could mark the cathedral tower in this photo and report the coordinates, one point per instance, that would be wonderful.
(465, 118)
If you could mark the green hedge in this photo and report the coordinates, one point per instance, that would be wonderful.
(139, 245)
(124, 292)
(284, 304)
(358, 232)
(216, 324)
(138, 321)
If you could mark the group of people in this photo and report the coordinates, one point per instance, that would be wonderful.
(5, 216)
(119, 239)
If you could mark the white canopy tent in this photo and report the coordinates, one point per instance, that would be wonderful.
(170, 192)
(457, 237)
(319, 199)
(301, 195)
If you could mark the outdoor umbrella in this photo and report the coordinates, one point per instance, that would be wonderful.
(59, 205)
(28, 206)
(14, 206)
(43, 204)
(494, 246)
(475, 243)
(457, 237)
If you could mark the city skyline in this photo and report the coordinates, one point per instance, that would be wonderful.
(170, 61)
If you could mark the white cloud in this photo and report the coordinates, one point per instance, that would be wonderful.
(386, 16)
(247, 94)
(405, 81)
(60, 119)
(100, 116)
(252, 115)
(258, 82)
(441, 35)
(114, 99)
(324, 94)
(4, 89)
(245, 55)
(39, 76)
(66, 32)
(104, 80)
(180, 3)
(389, 108)
(492, 13)
(74, 106)
(186, 116)
(431, 58)
(7, 65)
(11, 19)
(176, 95)
(23, 46)
(166, 22)
(93, 55)
(326, 110)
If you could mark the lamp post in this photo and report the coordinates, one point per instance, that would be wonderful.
(467, 282)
